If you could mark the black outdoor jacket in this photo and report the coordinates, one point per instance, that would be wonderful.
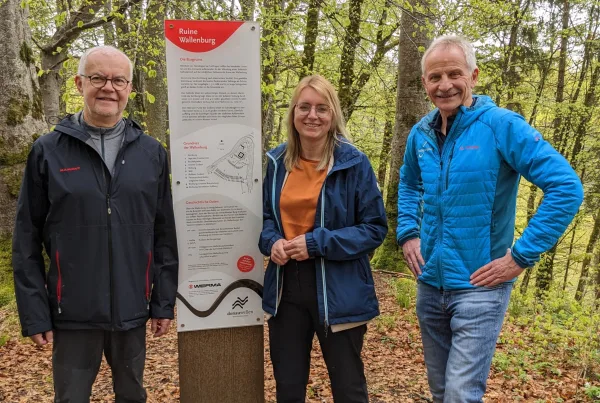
(110, 240)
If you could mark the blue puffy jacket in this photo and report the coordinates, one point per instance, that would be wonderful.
(350, 222)
(462, 205)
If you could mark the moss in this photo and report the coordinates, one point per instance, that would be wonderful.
(389, 257)
(37, 109)
(8, 158)
(11, 176)
(18, 108)
(26, 54)
(7, 293)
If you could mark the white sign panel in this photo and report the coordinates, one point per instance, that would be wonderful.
(213, 73)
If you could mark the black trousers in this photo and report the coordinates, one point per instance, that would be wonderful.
(76, 358)
(291, 334)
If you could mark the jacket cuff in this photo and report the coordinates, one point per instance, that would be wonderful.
(519, 259)
(161, 313)
(311, 244)
(36, 329)
(275, 238)
(411, 235)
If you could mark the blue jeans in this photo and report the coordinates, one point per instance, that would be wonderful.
(459, 329)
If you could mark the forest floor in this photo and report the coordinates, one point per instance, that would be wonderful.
(392, 354)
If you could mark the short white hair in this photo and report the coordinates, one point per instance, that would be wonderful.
(104, 49)
(448, 41)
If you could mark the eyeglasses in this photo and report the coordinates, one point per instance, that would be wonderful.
(118, 83)
(321, 110)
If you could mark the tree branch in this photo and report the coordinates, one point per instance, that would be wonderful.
(69, 32)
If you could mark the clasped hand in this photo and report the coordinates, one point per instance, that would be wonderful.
(283, 250)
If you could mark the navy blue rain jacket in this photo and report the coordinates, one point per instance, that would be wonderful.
(350, 223)
(111, 241)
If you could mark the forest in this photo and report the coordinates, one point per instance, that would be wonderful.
(539, 58)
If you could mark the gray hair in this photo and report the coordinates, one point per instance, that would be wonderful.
(452, 40)
(104, 49)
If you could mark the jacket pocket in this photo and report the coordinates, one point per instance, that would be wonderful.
(350, 289)
(148, 280)
(79, 278)
(134, 273)
(58, 281)
(365, 272)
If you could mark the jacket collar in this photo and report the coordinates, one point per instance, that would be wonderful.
(345, 154)
(465, 116)
(132, 130)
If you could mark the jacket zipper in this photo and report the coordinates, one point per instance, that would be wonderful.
(326, 322)
(440, 227)
(148, 281)
(444, 180)
(278, 227)
(109, 228)
(448, 167)
(58, 283)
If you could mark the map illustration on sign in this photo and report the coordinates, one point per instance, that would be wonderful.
(237, 164)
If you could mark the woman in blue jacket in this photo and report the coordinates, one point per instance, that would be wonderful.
(323, 214)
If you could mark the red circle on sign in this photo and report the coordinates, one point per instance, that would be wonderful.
(245, 264)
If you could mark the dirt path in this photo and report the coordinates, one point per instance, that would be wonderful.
(392, 354)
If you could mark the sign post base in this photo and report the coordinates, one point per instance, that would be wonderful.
(222, 365)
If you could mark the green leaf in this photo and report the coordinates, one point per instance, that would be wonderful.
(150, 97)
(80, 24)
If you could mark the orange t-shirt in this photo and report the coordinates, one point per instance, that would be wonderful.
(299, 197)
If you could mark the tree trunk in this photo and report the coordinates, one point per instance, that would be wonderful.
(411, 105)
(585, 265)
(568, 265)
(562, 67)
(384, 156)
(545, 273)
(310, 37)
(110, 35)
(351, 41)
(52, 82)
(350, 87)
(156, 117)
(21, 111)
(596, 262)
(247, 9)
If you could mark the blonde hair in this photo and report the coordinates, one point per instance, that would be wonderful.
(338, 126)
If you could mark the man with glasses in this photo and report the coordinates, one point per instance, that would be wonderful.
(96, 196)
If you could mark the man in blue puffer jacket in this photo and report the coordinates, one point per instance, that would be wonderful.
(456, 217)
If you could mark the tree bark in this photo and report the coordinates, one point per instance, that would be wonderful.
(248, 7)
(21, 111)
(310, 37)
(585, 265)
(350, 87)
(411, 105)
(384, 155)
(156, 117)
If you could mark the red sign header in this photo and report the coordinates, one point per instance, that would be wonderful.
(199, 36)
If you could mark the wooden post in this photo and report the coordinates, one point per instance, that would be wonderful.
(222, 365)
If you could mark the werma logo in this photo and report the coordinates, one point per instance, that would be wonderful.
(70, 169)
